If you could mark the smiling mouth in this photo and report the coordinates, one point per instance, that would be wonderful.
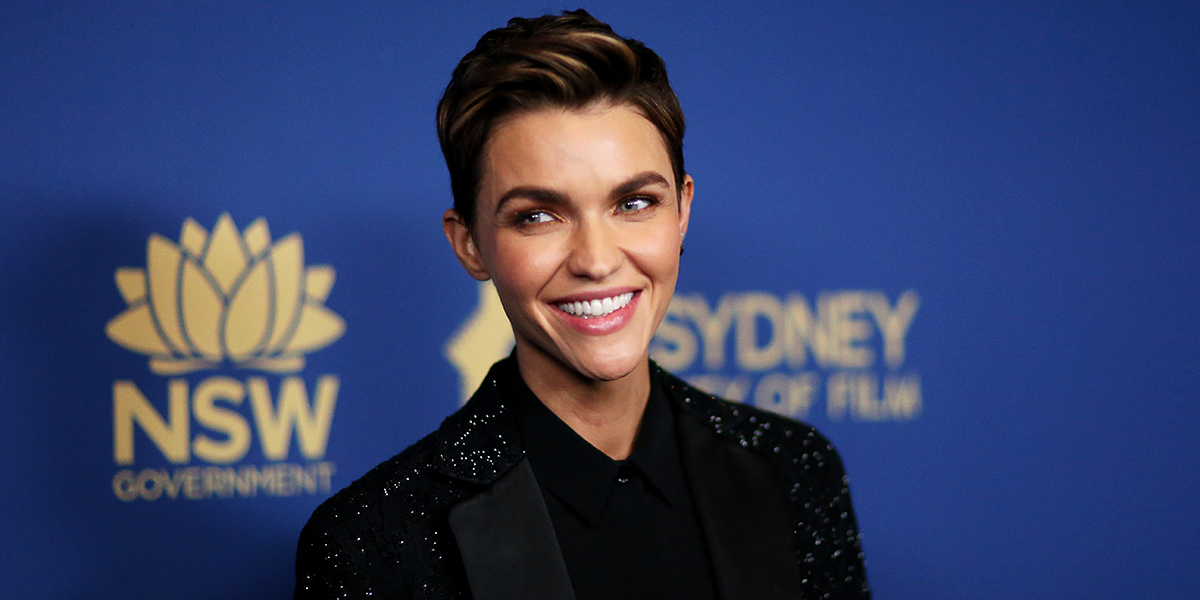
(596, 308)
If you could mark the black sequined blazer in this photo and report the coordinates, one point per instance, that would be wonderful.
(459, 513)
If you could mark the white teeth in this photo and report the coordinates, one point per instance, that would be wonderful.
(596, 308)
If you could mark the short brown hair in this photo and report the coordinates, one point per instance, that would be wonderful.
(571, 61)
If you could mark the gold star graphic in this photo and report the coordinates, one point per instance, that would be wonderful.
(483, 339)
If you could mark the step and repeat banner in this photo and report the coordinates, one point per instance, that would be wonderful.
(961, 239)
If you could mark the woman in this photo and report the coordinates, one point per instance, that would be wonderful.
(580, 469)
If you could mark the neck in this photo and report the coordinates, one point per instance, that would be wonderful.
(605, 413)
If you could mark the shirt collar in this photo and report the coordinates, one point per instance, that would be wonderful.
(656, 451)
(580, 474)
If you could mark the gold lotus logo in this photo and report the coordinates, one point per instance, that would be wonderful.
(225, 296)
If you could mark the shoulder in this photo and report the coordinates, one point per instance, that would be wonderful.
(378, 510)
(471, 448)
(813, 479)
(406, 480)
(795, 448)
(354, 542)
(388, 531)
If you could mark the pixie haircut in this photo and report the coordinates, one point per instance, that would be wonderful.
(567, 61)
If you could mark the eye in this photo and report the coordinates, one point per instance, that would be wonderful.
(634, 205)
(534, 217)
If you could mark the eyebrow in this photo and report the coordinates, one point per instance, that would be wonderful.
(547, 196)
(640, 181)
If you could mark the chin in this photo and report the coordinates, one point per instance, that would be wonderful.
(607, 368)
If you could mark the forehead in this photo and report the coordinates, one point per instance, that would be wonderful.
(571, 150)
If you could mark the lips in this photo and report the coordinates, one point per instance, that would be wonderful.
(598, 315)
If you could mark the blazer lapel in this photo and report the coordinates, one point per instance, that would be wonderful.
(744, 514)
(507, 541)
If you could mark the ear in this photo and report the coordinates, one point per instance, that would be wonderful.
(686, 191)
(463, 244)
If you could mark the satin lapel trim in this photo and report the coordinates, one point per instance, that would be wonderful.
(508, 543)
(744, 514)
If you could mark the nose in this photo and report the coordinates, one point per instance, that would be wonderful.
(595, 251)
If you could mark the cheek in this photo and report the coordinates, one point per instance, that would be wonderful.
(521, 267)
(658, 255)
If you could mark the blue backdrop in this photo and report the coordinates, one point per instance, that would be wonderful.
(961, 238)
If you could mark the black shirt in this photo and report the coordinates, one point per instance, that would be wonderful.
(627, 529)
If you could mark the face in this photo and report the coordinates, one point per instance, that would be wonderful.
(579, 223)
